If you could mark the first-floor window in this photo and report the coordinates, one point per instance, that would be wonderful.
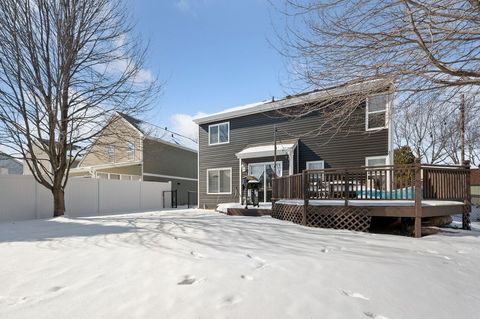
(315, 165)
(219, 181)
(376, 161)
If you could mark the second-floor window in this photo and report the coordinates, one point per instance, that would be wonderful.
(376, 115)
(219, 133)
(110, 153)
(131, 151)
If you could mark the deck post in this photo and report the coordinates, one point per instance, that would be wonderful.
(346, 188)
(305, 197)
(418, 198)
(468, 198)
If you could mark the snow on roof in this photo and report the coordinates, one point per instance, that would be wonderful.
(255, 151)
(155, 132)
(288, 101)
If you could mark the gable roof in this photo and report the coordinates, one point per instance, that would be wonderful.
(151, 131)
(343, 90)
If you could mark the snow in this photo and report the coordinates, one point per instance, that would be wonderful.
(201, 264)
(232, 110)
(354, 202)
(168, 136)
(223, 207)
(265, 150)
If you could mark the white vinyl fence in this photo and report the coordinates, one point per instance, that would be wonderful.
(22, 198)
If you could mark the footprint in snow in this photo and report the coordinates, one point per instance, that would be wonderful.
(55, 288)
(188, 280)
(231, 300)
(246, 277)
(197, 255)
(260, 262)
(354, 295)
(374, 316)
(325, 250)
(432, 252)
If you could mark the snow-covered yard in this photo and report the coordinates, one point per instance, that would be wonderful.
(200, 264)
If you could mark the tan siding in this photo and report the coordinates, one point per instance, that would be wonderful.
(118, 133)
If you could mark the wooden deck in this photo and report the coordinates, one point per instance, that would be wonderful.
(416, 191)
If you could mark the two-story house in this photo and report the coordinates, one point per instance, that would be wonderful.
(10, 165)
(244, 140)
(132, 149)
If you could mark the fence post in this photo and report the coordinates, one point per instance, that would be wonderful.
(305, 197)
(468, 198)
(418, 198)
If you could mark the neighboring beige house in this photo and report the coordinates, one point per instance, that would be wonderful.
(10, 165)
(131, 149)
(43, 159)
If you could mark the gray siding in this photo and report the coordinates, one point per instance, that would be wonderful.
(343, 149)
(163, 159)
(181, 186)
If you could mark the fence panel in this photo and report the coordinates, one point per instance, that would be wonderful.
(22, 198)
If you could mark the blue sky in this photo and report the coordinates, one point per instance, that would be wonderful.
(213, 54)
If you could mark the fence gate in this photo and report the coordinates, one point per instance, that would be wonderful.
(172, 195)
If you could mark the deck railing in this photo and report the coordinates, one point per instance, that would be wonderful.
(390, 182)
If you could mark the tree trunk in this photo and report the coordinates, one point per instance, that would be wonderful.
(58, 202)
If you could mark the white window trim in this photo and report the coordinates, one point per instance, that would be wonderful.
(385, 157)
(231, 178)
(264, 164)
(132, 152)
(228, 135)
(113, 153)
(377, 112)
(315, 162)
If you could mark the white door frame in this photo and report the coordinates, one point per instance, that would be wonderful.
(264, 174)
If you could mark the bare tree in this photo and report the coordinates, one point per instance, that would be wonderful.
(66, 67)
(432, 43)
(427, 47)
(431, 127)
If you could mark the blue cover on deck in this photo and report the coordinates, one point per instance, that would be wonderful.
(401, 193)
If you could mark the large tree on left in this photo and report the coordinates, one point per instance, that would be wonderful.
(66, 66)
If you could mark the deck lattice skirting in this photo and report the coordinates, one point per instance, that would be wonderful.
(335, 217)
(448, 186)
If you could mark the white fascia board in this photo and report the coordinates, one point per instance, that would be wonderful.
(292, 101)
(103, 166)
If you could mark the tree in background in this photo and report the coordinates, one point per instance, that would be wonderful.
(431, 127)
(428, 48)
(403, 155)
(66, 67)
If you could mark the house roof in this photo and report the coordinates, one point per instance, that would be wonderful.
(340, 91)
(161, 134)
